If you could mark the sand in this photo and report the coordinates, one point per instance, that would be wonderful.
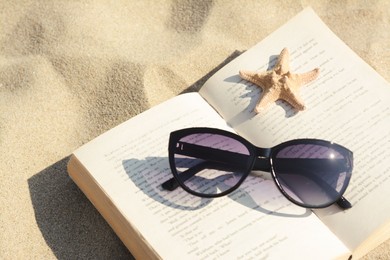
(70, 70)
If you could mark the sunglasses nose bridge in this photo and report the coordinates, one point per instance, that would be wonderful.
(262, 162)
(263, 152)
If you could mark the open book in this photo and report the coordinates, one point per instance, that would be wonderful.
(121, 171)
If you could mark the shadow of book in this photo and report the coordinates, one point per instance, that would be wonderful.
(69, 223)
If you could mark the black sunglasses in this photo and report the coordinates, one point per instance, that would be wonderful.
(209, 162)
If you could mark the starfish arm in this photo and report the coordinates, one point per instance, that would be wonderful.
(259, 79)
(309, 76)
(282, 65)
(247, 75)
(293, 99)
(268, 97)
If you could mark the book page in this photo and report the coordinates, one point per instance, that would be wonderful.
(348, 104)
(130, 162)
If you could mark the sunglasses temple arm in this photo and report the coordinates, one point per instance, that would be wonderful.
(215, 159)
(344, 203)
(172, 183)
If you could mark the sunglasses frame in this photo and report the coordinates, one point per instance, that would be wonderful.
(261, 159)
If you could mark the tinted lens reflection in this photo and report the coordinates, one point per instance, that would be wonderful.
(210, 163)
(312, 175)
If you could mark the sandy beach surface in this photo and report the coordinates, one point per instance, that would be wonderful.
(70, 70)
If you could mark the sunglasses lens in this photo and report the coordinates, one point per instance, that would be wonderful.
(313, 175)
(210, 164)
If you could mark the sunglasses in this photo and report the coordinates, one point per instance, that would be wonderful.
(210, 163)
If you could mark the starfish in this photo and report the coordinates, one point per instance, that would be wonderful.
(280, 83)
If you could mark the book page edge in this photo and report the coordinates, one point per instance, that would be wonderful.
(123, 228)
(376, 238)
